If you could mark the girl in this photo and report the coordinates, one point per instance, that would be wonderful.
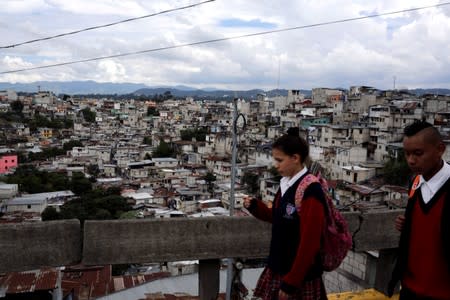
(293, 270)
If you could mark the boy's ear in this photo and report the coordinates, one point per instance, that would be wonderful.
(442, 147)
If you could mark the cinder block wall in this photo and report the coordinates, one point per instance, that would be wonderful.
(351, 275)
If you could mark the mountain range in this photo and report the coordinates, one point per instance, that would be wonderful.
(108, 88)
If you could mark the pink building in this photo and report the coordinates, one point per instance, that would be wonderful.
(8, 162)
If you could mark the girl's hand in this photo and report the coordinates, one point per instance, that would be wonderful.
(247, 201)
(282, 295)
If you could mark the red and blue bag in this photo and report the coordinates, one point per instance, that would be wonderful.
(336, 238)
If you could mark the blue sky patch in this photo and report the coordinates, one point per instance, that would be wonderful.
(244, 23)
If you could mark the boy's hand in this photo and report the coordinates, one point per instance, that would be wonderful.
(400, 222)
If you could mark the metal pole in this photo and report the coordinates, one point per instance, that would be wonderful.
(230, 264)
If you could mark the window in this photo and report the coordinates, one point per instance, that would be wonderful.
(29, 206)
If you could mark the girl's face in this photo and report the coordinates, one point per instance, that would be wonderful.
(286, 165)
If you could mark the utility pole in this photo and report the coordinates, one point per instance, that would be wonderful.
(230, 261)
(234, 268)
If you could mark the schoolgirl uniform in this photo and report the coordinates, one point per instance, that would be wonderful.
(294, 263)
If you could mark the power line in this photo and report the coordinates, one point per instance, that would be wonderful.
(225, 39)
(105, 25)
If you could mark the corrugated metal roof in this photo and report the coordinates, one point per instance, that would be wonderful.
(29, 281)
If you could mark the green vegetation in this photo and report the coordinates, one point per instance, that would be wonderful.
(396, 171)
(210, 178)
(147, 140)
(198, 133)
(72, 143)
(17, 106)
(94, 205)
(163, 150)
(276, 176)
(90, 204)
(31, 180)
(54, 123)
(46, 154)
(251, 182)
(162, 97)
(88, 115)
(151, 111)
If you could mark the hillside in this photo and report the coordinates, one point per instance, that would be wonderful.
(109, 88)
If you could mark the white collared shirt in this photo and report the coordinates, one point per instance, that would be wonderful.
(287, 182)
(430, 187)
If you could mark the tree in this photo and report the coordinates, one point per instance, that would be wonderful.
(68, 123)
(151, 111)
(163, 150)
(198, 133)
(95, 205)
(147, 140)
(274, 172)
(168, 95)
(72, 143)
(396, 171)
(88, 115)
(102, 214)
(49, 214)
(93, 170)
(80, 184)
(210, 178)
(17, 106)
(251, 182)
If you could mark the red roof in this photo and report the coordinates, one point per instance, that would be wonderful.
(29, 281)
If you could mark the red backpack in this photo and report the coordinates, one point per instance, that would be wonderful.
(336, 239)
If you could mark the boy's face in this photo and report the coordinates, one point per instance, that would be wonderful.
(422, 156)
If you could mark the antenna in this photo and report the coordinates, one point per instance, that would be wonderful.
(278, 80)
(394, 81)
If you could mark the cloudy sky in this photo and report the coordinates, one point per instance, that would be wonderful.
(409, 49)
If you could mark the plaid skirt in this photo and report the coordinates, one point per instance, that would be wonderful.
(269, 283)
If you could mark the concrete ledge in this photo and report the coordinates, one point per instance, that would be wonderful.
(57, 243)
(134, 241)
(35, 245)
(138, 241)
(374, 230)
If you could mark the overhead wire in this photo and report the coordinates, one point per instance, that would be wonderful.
(105, 25)
(227, 38)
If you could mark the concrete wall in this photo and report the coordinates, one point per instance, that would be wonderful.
(57, 243)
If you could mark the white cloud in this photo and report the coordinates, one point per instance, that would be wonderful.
(111, 71)
(413, 46)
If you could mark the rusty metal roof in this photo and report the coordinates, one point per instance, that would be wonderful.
(29, 281)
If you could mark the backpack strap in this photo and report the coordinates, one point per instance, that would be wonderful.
(302, 186)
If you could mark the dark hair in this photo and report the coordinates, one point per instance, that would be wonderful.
(292, 143)
(415, 127)
(432, 136)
